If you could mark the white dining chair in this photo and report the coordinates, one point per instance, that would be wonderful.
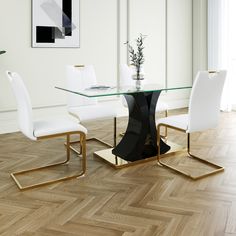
(80, 77)
(203, 114)
(44, 129)
(126, 79)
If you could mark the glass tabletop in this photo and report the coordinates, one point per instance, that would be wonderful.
(102, 91)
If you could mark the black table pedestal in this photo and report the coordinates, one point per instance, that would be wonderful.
(140, 139)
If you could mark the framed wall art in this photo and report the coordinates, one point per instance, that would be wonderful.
(55, 23)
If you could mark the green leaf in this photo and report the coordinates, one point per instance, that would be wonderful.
(137, 58)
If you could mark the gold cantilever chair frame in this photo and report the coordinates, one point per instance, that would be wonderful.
(217, 167)
(94, 139)
(81, 173)
(164, 136)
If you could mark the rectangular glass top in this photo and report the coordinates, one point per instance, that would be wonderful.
(102, 91)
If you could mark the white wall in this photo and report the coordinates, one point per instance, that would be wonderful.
(43, 68)
(149, 19)
(104, 27)
(200, 36)
(168, 46)
(179, 47)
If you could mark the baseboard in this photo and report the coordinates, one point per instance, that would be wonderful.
(9, 124)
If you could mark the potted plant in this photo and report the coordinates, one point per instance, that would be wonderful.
(137, 58)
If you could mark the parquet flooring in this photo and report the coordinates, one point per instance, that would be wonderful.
(142, 200)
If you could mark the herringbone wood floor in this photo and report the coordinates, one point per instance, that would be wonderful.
(142, 200)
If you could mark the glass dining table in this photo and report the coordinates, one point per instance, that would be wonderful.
(139, 143)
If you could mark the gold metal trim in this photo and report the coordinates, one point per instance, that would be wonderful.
(118, 163)
(165, 133)
(88, 139)
(213, 71)
(79, 65)
(160, 163)
(114, 132)
(97, 139)
(83, 145)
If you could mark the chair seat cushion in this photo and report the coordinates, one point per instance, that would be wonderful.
(93, 112)
(178, 121)
(56, 126)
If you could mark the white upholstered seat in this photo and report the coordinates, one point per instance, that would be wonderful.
(204, 110)
(41, 129)
(56, 126)
(180, 121)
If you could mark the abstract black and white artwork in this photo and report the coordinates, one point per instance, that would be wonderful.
(55, 23)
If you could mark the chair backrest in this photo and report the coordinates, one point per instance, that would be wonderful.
(204, 104)
(79, 78)
(24, 107)
(126, 75)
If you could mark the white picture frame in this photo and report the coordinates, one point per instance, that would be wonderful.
(55, 23)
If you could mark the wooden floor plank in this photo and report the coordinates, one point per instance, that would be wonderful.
(141, 200)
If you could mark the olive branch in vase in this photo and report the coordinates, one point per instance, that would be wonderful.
(137, 58)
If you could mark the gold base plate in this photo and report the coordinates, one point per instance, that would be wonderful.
(118, 163)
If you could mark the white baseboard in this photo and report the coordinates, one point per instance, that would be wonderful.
(9, 124)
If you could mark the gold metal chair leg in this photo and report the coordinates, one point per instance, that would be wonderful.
(160, 163)
(217, 167)
(88, 139)
(114, 132)
(83, 141)
(164, 136)
(158, 146)
(115, 129)
(96, 139)
(166, 115)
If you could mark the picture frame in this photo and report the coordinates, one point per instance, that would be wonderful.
(55, 23)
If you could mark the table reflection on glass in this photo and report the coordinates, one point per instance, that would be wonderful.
(139, 143)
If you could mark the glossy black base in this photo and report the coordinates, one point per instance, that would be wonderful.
(140, 139)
